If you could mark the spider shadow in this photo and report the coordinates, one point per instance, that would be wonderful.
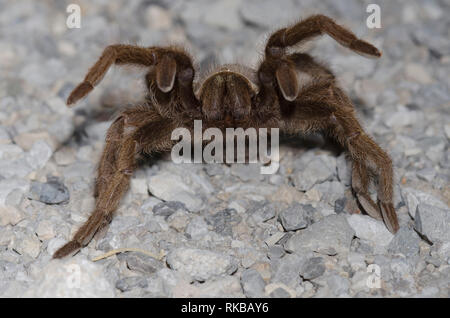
(299, 142)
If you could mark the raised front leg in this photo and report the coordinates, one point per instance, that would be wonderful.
(314, 26)
(168, 62)
(279, 70)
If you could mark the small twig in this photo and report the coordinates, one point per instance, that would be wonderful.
(130, 249)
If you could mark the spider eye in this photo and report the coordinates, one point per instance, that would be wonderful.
(287, 81)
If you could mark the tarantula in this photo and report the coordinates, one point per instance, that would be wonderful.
(290, 91)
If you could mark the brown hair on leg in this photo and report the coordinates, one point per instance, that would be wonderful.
(124, 141)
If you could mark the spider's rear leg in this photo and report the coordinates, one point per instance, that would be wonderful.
(326, 107)
(368, 160)
(127, 121)
(135, 130)
(367, 154)
(115, 169)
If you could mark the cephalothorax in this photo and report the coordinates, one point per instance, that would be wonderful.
(289, 91)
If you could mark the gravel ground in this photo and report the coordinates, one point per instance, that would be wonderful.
(221, 230)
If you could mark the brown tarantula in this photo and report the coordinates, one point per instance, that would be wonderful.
(289, 91)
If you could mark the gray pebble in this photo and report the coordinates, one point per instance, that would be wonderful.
(223, 221)
(414, 197)
(298, 216)
(287, 269)
(144, 264)
(51, 192)
(280, 293)
(214, 169)
(314, 172)
(332, 231)
(427, 174)
(338, 285)
(370, 229)
(252, 283)
(71, 278)
(433, 222)
(168, 208)
(196, 228)
(361, 246)
(201, 264)
(339, 205)
(129, 283)
(262, 211)
(434, 261)
(406, 241)
(39, 154)
(275, 252)
(344, 169)
(169, 186)
(313, 268)
(246, 172)
(331, 191)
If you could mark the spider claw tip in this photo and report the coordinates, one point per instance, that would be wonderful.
(70, 248)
